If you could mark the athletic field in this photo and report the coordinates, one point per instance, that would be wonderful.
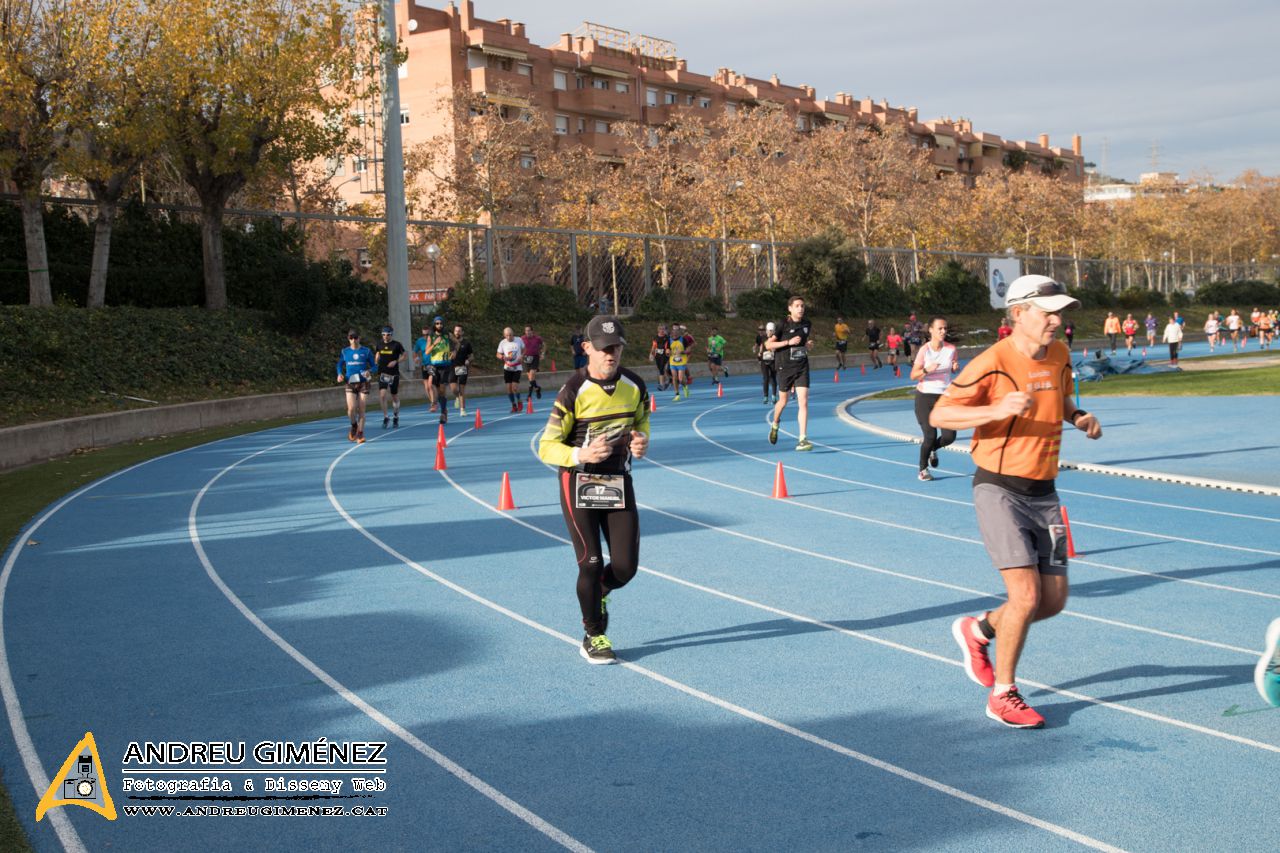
(788, 677)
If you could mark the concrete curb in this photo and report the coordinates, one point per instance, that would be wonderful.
(843, 413)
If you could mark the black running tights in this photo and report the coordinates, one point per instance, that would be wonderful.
(932, 441)
(621, 531)
(769, 376)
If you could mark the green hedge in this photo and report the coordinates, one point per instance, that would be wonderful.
(1239, 293)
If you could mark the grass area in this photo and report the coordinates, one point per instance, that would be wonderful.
(27, 491)
(1201, 383)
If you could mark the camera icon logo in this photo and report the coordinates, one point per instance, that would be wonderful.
(79, 789)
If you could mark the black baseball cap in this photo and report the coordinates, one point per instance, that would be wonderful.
(605, 331)
(352, 333)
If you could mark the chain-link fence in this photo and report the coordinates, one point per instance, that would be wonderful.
(615, 271)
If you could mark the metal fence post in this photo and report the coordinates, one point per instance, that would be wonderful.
(648, 269)
(711, 254)
(573, 263)
(488, 255)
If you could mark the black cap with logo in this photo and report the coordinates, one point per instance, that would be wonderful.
(605, 331)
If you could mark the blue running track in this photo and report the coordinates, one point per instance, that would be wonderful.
(789, 678)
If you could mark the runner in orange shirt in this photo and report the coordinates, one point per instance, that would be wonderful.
(1111, 328)
(1015, 396)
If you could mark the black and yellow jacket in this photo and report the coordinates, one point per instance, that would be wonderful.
(584, 408)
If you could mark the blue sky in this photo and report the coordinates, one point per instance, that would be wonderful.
(1197, 79)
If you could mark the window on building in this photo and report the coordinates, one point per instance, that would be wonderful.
(476, 59)
(562, 124)
(500, 63)
(688, 100)
(404, 116)
(651, 97)
(600, 83)
(602, 126)
(560, 80)
(527, 161)
(582, 125)
(335, 166)
(622, 87)
(362, 255)
(653, 137)
(359, 165)
(704, 103)
(524, 69)
(668, 97)
(731, 108)
(402, 70)
(579, 81)
(802, 123)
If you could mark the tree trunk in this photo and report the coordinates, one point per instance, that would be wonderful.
(215, 272)
(102, 225)
(41, 293)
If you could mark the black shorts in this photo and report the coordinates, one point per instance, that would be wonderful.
(793, 377)
(460, 374)
(511, 376)
(873, 346)
(715, 359)
(660, 362)
(390, 381)
(531, 362)
(441, 374)
(842, 346)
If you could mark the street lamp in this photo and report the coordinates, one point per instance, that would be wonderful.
(755, 264)
(433, 254)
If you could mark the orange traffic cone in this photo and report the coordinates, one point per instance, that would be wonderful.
(440, 466)
(441, 441)
(479, 423)
(529, 408)
(504, 499)
(553, 365)
(864, 369)
(897, 371)
(1071, 545)
(653, 404)
(719, 389)
(836, 378)
(780, 483)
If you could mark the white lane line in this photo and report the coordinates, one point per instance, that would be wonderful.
(718, 702)
(844, 415)
(444, 762)
(1193, 582)
(66, 833)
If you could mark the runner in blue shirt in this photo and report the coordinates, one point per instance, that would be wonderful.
(355, 368)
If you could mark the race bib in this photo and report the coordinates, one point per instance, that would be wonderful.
(355, 379)
(599, 491)
(385, 379)
(799, 353)
(460, 370)
(767, 355)
(528, 359)
(1058, 538)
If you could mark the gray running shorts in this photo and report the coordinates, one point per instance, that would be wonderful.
(1021, 531)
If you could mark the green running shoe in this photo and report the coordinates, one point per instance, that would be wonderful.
(597, 650)
(804, 444)
(773, 433)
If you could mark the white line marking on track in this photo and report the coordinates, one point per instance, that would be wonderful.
(444, 762)
(1083, 562)
(13, 707)
(724, 704)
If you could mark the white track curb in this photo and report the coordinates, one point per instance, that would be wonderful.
(843, 413)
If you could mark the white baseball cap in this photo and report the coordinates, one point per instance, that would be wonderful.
(1040, 291)
(770, 327)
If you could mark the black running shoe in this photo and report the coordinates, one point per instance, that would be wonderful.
(538, 390)
(773, 433)
(444, 414)
(395, 421)
(385, 421)
(597, 650)
(933, 460)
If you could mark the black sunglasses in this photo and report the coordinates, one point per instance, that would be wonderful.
(1047, 288)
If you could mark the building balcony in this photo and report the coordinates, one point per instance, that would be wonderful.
(603, 144)
(664, 113)
(598, 102)
(492, 80)
(944, 158)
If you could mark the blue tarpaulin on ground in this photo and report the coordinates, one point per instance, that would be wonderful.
(1092, 369)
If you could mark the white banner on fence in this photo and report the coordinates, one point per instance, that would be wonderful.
(1000, 271)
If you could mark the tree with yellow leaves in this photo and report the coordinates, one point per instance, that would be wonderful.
(37, 42)
(250, 81)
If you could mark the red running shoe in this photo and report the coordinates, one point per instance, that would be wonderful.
(1009, 709)
(977, 664)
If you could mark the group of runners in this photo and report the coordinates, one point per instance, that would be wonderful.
(1015, 396)
(670, 351)
(1261, 325)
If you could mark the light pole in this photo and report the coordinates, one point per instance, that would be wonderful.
(755, 264)
(1168, 273)
(433, 254)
